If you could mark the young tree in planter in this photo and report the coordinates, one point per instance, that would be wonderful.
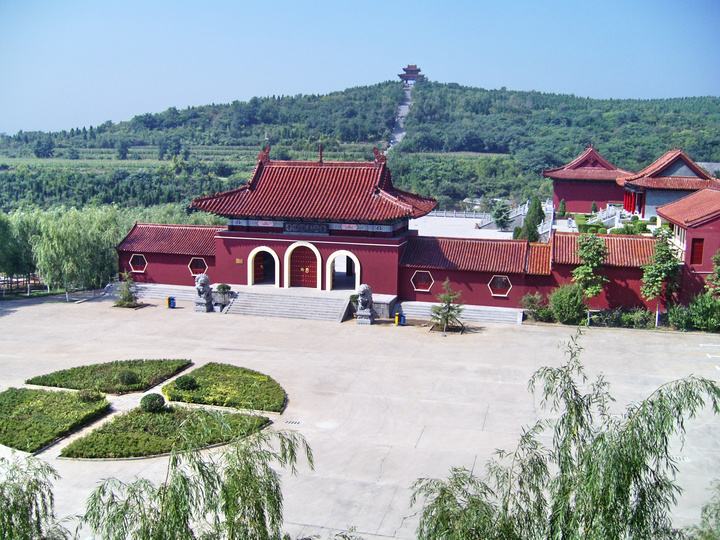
(126, 292)
(562, 208)
(533, 220)
(235, 495)
(594, 207)
(712, 283)
(592, 252)
(26, 499)
(603, 475)
(659, 275)
(501, 215)
(447, 314)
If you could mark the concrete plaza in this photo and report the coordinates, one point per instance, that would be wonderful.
(380, 406)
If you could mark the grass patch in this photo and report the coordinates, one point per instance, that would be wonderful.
(231, 386)
(111, 377)
(138, 433)
(32, 419)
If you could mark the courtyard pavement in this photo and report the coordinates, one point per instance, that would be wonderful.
(380, 406)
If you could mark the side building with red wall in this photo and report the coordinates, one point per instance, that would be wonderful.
(588, 179)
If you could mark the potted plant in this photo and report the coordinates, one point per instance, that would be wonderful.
(222, 294)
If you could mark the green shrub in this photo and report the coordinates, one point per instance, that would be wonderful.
(583, 227)
(567, 304)
(641, 227)
(652, 220)
(562, 208)
(536, 307)
(138, 433)
(152, 403)
(128, 377)
(186, 382)
(634, 217)
(231, 386)
(223, 288)
(638, 318)
(88, 395)
(705, 313)
(105, 377)
(31, 419)
(679, 318)
(607, 317)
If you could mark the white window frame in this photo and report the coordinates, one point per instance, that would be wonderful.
(412, 280)
(199, 259)
(132, 268)
(500, 295)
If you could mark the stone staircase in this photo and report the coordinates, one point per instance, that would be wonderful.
(290, 305)
(157, 291)
(471, 314)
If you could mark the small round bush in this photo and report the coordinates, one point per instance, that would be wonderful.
(567, 304)
(186, 382)
(152, 403)
(88, 395)
(127, 377)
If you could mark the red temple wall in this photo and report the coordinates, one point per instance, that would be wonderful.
(580, 194)
(693, 276)
(378, 258)
(163, 268)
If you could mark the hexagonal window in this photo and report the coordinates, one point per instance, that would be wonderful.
(422, 281)
(138, 263)
(499, 285)
(197, 266)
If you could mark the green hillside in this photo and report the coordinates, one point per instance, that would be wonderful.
(461, 142)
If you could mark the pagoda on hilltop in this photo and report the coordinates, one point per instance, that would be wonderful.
(411, 74)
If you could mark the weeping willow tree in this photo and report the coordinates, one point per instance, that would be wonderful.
(234, 494)
(604, 476)
(26, 500)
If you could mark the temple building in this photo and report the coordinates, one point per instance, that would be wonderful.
(670, 177)
(695, 222)
(411, 74)
(327, 227)
(587, 179)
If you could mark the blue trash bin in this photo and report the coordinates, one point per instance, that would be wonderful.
(402, 319)
(171, 302)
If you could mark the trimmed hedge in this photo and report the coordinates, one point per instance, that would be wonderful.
(114, 377)
(231, 386)
(138, 433)
(32, 419)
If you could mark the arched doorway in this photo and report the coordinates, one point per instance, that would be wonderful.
(342, 271)
(263, 267)
(302, 266)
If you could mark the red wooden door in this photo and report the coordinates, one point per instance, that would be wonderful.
(303, 268)
(259, 268)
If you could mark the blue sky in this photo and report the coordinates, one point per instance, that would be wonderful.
(71, 63)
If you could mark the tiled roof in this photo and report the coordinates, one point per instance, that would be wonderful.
(317, 190)
(476, 255)
(693, 209)
(170, 239)
(623, 250)
(589, 165)
(650, 176)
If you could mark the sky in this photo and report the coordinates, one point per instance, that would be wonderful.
(72, 63)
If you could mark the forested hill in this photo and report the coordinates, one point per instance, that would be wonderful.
(546, 130)
(360, 114)
(461, 142)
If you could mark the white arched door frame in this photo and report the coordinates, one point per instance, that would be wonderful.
(318, 263)
(329, 267)
(251, 264)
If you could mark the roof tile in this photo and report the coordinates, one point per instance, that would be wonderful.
(623, 250)
(590, 165)
(195, 240)
(693, 209)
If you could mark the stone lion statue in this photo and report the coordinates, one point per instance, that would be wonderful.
(204, 293)
(365, 297)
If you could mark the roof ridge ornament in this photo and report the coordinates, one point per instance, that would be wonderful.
(380, 158)
(264, 155)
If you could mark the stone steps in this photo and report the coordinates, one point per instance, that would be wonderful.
(470, 314)
(288, 306)
(180, 292)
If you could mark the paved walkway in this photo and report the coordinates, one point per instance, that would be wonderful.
(380, 406)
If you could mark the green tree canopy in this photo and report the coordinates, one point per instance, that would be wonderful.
(592, 252)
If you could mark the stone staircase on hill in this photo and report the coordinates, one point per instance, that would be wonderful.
(290, 306)
(470, 314)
